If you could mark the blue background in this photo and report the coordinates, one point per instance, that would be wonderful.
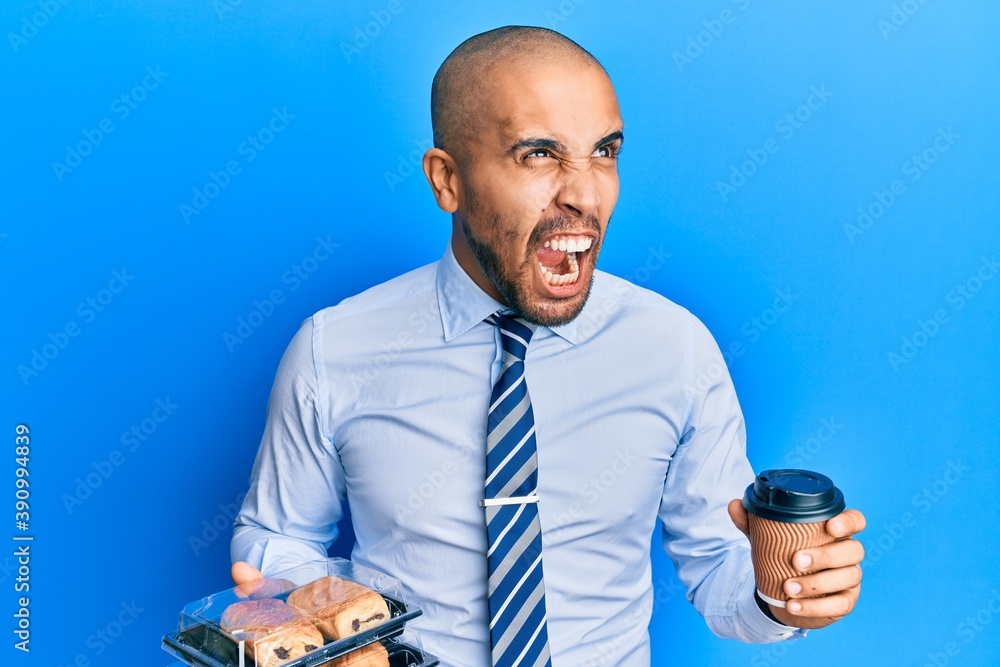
(705, 94)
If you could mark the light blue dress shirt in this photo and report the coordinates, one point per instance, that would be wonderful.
(382, 400)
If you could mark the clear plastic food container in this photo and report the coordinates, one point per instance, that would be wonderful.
(308, 616)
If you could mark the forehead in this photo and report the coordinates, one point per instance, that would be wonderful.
(575, 104)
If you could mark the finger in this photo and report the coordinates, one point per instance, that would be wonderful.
(247, 578)
(831, 606)
(824, 583)
(842, 553)
(271, 587)
(738, 514)
(245, 573)
(846, 523)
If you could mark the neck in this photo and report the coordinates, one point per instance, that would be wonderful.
(467, 260)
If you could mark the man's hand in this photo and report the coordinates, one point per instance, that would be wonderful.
(250, 583)
(831, 589)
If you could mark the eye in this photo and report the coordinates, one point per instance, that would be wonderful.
(609, 151)
(538, 152)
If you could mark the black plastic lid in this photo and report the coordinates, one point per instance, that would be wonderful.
(793, 496)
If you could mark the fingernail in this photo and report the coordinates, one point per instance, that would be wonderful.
(803, 561)
(794, 588)
(794, 607)
(837, 526)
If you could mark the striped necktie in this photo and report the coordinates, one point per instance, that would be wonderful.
(518, 635)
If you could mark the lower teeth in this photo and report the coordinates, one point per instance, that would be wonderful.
(557, 279)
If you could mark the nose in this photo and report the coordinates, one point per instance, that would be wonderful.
(579, 191)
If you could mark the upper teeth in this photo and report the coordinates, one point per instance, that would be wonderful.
(570, 243)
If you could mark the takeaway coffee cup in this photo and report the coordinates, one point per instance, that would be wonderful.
(788, 510)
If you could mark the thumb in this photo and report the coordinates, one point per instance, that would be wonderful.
(246, 577)
(738, 514)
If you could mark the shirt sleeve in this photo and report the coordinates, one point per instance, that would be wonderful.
(710, 468)
(291, 511)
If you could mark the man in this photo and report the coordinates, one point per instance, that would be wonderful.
(393, 399)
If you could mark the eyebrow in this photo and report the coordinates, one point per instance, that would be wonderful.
(611, 138)
(559, 147)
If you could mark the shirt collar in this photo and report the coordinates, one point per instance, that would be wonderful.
(463, 304)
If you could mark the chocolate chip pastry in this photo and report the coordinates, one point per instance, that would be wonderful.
(274, 632)
(340, 608)
(372, 655)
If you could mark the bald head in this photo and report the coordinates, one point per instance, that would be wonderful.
(463, 85)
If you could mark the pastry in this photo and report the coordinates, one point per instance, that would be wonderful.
(340, 608)
(373, 655)
(274, 632)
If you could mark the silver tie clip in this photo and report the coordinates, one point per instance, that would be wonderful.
(514, 500)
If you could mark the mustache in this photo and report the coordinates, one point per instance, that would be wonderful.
(561, 223)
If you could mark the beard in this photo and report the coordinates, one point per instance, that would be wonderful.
(515, 286)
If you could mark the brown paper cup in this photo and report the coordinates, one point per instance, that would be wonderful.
(772, 545)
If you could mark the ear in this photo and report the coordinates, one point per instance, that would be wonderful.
(441, 172)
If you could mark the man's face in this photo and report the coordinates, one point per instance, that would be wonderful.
(539, 185)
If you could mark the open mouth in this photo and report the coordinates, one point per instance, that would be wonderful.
(560, 257)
